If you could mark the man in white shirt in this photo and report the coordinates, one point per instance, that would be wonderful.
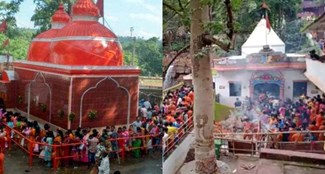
(137, 123)
(164, 139)
(147, 104)
(103, 168)
(144, 111)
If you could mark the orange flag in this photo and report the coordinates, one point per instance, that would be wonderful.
(3, 26)
(100, 5)
(5, 43)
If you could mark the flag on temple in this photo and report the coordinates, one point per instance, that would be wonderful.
(268, 24)
(3, 26)
(266, 8)
(5, 43)
(100, 5)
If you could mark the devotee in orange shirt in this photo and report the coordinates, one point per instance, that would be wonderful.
(170, 118)
(191, 95)
(319, 119)
(313, 127)
(321, 136)
(291, 134)
(297, 136)
(172, 107)
(190, 113)
(312, 114)
(188, 99)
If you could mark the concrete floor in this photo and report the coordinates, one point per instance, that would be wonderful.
(16, 162)
(265, 166)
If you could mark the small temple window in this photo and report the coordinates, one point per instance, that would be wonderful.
(234, 89)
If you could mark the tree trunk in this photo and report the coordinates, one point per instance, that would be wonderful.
(205, 159)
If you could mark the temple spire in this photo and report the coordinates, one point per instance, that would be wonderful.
(85, 10)
(60, 18)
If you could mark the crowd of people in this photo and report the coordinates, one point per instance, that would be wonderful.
(177, 110)
(86, 145)
(305, 114)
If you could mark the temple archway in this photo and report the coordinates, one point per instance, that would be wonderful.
(105, 97)
(270, 83)
(39, 97)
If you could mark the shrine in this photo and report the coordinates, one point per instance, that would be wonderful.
(262, 68)
(74, 74)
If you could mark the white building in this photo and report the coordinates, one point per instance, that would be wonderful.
(262, 70)
(316, 69)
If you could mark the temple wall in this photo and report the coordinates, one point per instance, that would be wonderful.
(292, 76)
(48, 94)
(110, 101)
(315, 73)
(222, 80)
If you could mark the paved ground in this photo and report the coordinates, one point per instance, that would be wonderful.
(253, 165)
(16, 162)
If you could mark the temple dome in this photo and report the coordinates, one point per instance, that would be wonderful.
(85, 41)
(39, 49)
(85, 8)
(60, 16)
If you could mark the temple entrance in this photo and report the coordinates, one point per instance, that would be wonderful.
(269, 84)
(271, 90)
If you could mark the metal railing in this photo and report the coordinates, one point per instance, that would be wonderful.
(232, 144)
(28, 145)
(173, 141)
(178, 86)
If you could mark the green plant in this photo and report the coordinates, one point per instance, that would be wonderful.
(43, 107)
(92, 115)
(72, 116)
(61, 113)
(20, 99)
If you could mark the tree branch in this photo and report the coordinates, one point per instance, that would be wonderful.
(180, 4)
(176, 13)
(172, 8)
(230, 23)
(207, 39)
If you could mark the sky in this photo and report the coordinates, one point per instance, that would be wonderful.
(145, 16)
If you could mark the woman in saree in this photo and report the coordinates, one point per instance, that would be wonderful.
(137, 143)
(84, 146)
(48, 148)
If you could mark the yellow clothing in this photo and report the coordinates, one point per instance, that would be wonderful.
(172, 131)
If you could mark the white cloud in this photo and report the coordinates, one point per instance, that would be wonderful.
(25, 24)
(111, 18)
(146, 5)
(147, 16)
